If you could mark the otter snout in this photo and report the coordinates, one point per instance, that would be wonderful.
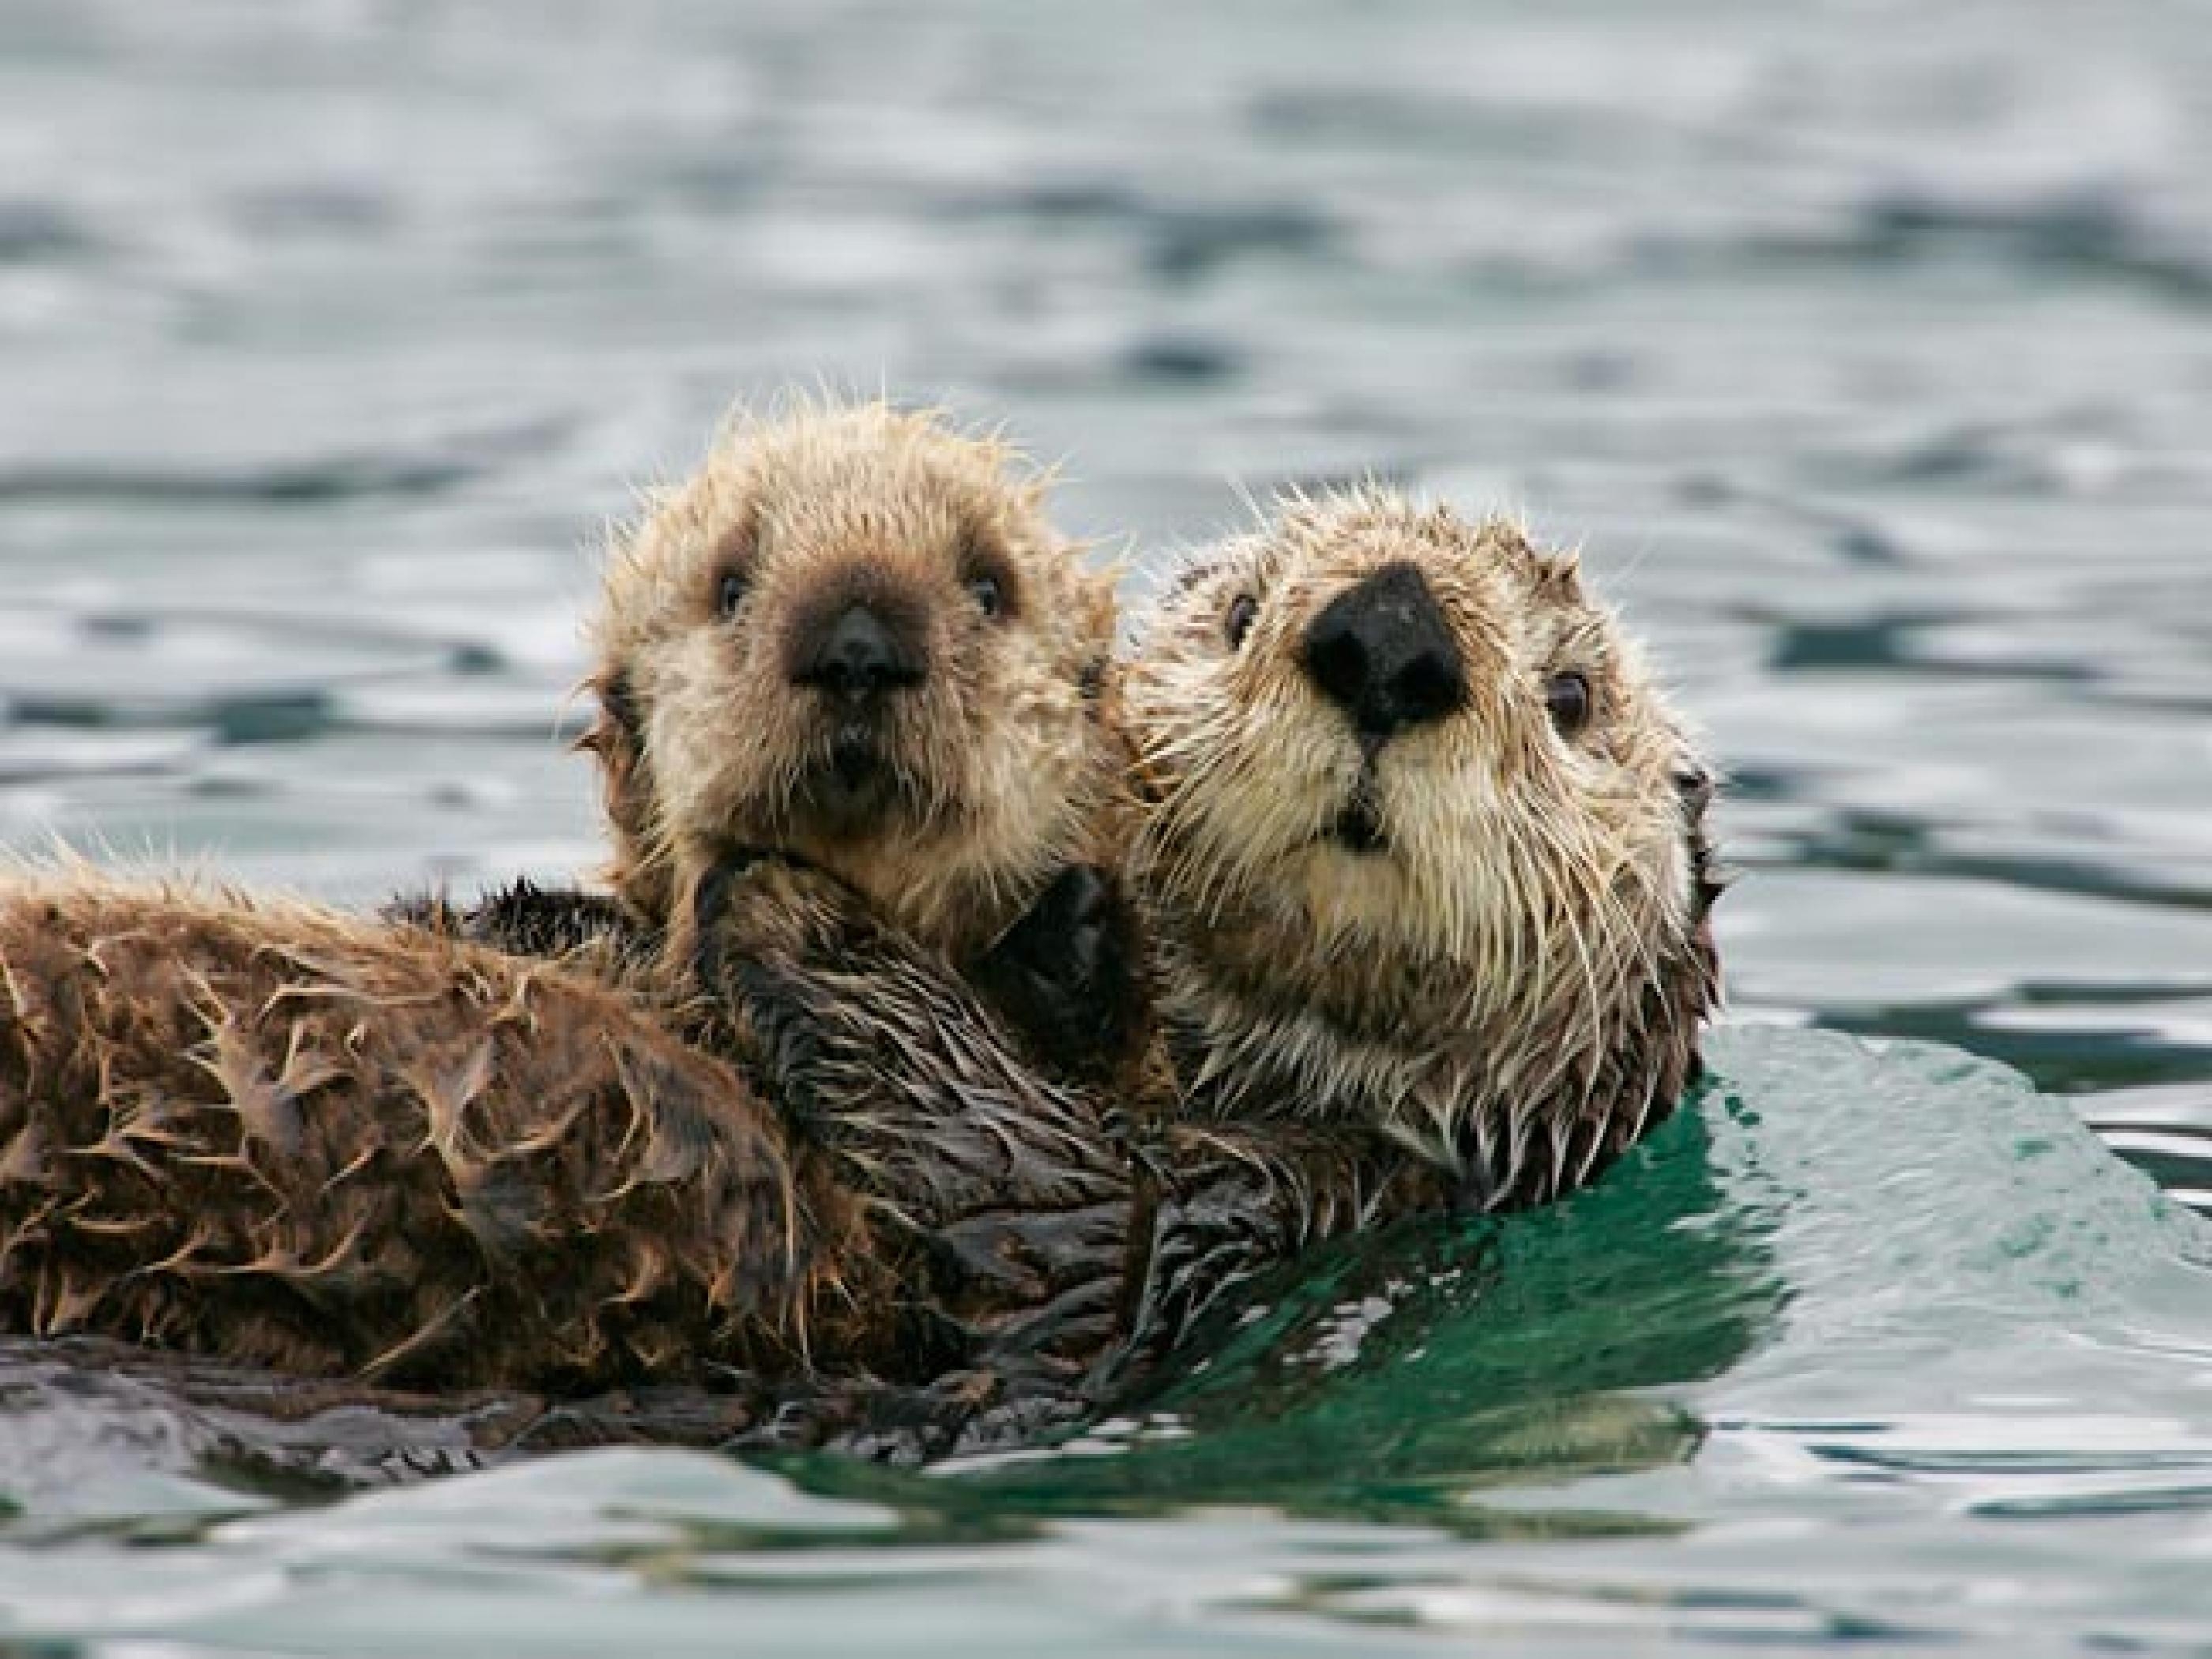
(859, 652)
(1383, 652)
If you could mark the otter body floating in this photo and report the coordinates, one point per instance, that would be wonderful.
(271, 1133)
(1423, 856)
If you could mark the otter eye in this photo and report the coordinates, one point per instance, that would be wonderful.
(730, 593)
(1244, 611)
(989, 596)
(1568, 698)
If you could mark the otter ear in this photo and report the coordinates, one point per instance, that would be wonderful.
(1558, 576)
(1507, 540)
(1694, 783)
(616, 741)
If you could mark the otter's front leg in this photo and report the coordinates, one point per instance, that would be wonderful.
(1059, 1000)
(835, 1014)
(1004, 1183)
(526, 919)
(767, 947)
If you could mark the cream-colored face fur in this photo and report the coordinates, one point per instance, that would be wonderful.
(1400, 924)
(950, 803)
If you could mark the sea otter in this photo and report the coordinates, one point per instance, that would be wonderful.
(275, 1133)
(854, 638)
(1425, 848)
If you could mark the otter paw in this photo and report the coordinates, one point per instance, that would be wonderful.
(1066, 977)
(768, 934)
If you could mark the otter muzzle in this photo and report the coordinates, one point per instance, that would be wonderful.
(1383, 652)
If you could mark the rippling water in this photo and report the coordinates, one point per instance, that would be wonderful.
(1864, 348)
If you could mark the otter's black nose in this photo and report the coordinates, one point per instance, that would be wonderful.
(857, 657)
(1382, 653)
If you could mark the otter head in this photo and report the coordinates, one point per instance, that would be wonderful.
(1422, 843)
(852, 637)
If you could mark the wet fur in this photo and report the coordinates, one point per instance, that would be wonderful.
(286, 1137)
(1483, 1014)
(970, 1245)
(291, 1138)
(484, 1116)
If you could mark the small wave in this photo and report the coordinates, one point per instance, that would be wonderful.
(317, 481)
(308, 483)
(1186, 360)
(244, 717)
(1184, 241)
(2074, 234)
(35, 232)
(2078, 232)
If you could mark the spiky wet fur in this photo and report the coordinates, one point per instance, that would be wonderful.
(1007, 761)
(1513, 983)
(558, 1173)
(277, 1135)
(288, 1137)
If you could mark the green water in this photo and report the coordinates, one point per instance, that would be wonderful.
(1863, 347)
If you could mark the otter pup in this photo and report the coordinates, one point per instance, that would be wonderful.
(275, 1133)
(852, 639)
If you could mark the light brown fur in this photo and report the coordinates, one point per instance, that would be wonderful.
(1482, 1011)
(274, 1134)
(1008, 760)
(1492, 1005)
(1512, 985)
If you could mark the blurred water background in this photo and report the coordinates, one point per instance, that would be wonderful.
(1864, 347)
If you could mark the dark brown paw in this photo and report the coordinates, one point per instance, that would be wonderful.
(1068, 976)
(525, 919)
(774, 906)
